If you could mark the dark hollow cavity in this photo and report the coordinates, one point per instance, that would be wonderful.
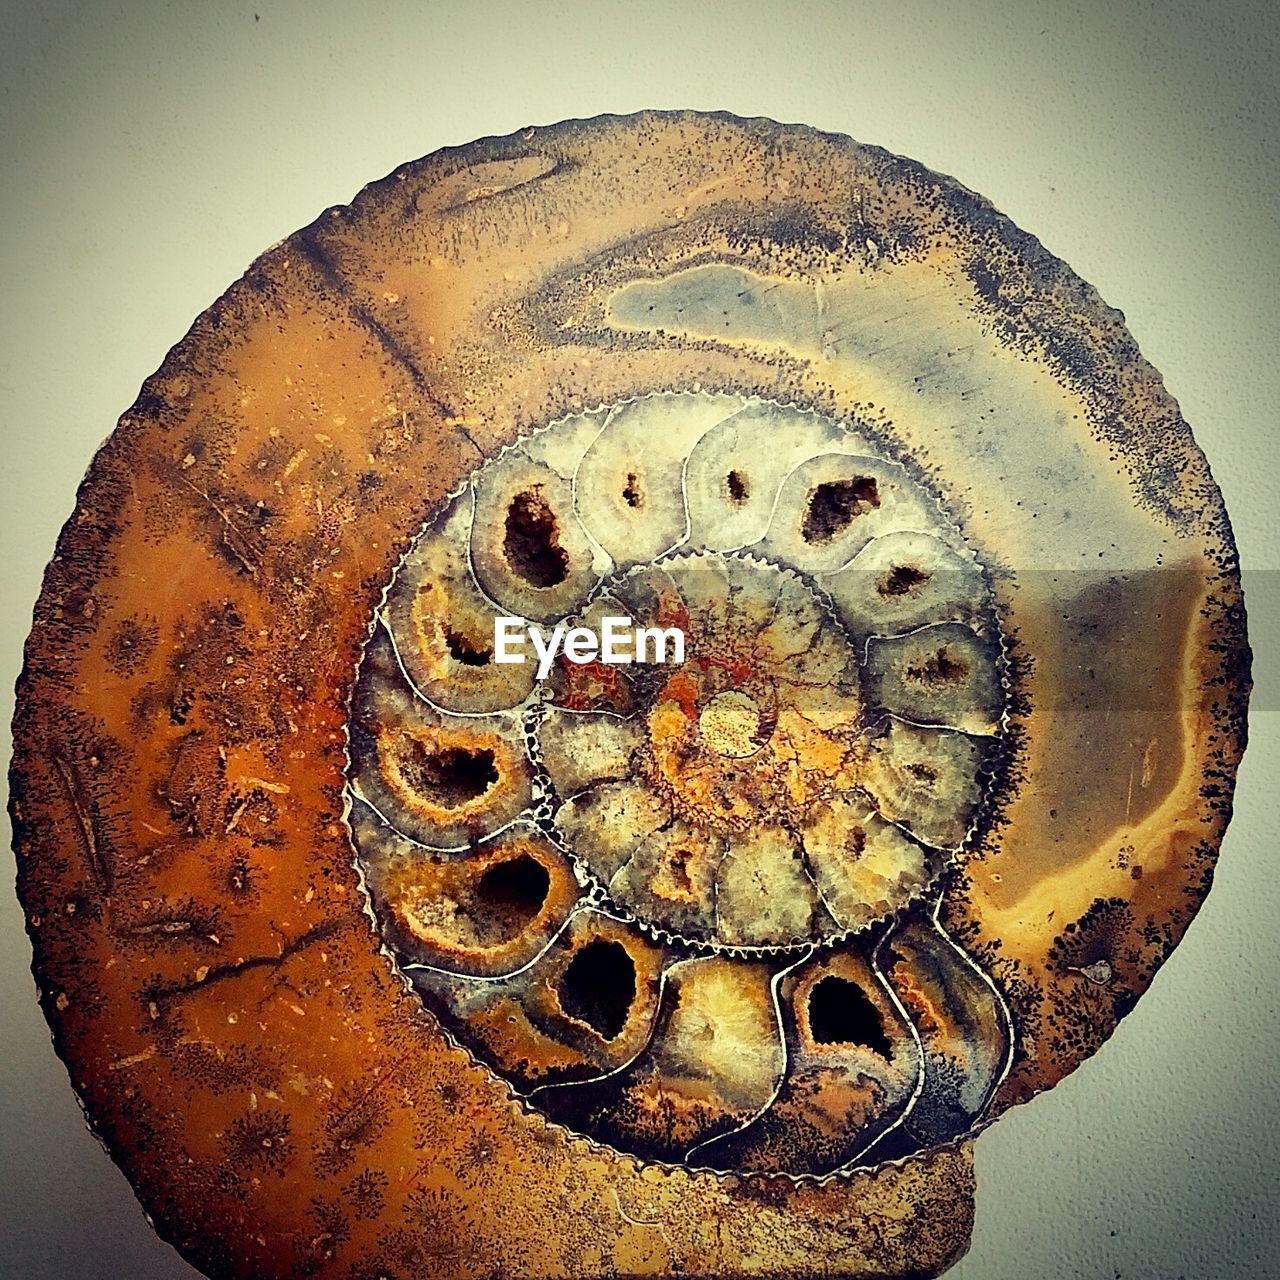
(510, 894)
(466, 651)
(922, 772)
(736, 484)
(901, 579)
(835, 504)
(532, 544)
(939, 668)
(841, 1013)
(599, 986)
(450, 777)
(632, 494)
(678, 864)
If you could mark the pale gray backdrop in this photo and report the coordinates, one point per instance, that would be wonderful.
(149, 152)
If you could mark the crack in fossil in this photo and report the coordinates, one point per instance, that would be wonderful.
(327, 268)
(96, 858)
(164, 992)
(241, 552)
(176, 926)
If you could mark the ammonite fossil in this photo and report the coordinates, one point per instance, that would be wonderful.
(376, 951)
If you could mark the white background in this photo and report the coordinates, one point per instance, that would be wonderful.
(149, 152)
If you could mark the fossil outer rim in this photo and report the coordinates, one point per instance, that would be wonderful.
(69, 580)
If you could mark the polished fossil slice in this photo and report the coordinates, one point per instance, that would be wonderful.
(188, 713)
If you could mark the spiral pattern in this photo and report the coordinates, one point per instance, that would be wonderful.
(688, 908)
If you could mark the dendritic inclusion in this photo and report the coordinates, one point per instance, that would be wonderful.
(687, 909)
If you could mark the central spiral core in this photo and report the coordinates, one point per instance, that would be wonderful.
(730, 724)
(643, 889)
(749, 796)
(749, 775)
